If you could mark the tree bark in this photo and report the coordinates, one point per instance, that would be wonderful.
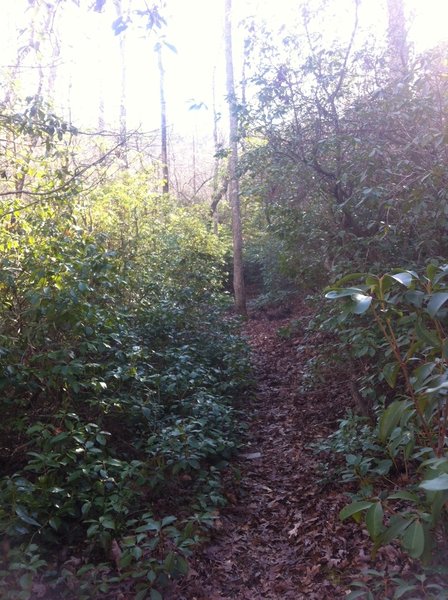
(398, 48)
(216, 197)
(234, 195)
(163, 127)
(123, 85)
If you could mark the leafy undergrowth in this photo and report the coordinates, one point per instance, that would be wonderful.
(281, 537)
(121, 492)
(395, 330)
(119, 376)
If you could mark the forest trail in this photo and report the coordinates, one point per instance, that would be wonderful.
(280, 536)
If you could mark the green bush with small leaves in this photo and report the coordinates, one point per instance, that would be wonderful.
(119, 373)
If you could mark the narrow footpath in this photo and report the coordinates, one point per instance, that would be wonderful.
(280, 536)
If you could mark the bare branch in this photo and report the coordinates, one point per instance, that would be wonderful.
(219, 194)
(39, 196)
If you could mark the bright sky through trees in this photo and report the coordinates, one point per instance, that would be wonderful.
(89, 62)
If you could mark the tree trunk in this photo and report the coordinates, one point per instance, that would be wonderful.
(163, 128)
(234, 196)
(215, 216)
(31, 45)
(398, 48)
(123, 86)
(51, 31)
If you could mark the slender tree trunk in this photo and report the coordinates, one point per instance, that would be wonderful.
(163, 127)
(398, 48)
(215, 215)
(234, 195)
(123, 114)
(123, 85)
(101, 110)
(101, 64)
(69, 99)
(51, 31)
(193, 149)
(23, 49)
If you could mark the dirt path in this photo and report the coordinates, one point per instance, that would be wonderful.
(280, 538)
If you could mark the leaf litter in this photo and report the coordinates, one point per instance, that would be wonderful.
(280, 537)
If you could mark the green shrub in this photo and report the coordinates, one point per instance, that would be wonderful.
(409, 311)
(119, 371)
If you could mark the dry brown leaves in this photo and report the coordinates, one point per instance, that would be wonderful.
(281, 538)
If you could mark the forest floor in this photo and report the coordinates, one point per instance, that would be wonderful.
(280, 536)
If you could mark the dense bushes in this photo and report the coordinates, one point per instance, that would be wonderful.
(345, 159)
(118, 371)
(404, 314)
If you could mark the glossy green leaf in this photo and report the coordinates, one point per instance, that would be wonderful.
(440, 384)
(55, 523)
(181, 565)
(23, 515)
(404, 589)
(421, 373)
(334, 294)
(155, 595)
(390, 372)
(397, 526)
(125, 559)
(442, 272)
(436, 302)
(414, 539)
(404, 495)
(425, 335)
(168, 520)
(374, 520)
(431, 271)
(151, 526)
(414, 297)
(390, 418)
(354, 508)
(384, 466)
(362, 302)
(437, 484)
(404, 278)
(107, 522)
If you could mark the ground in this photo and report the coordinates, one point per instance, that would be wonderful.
(280, 536)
